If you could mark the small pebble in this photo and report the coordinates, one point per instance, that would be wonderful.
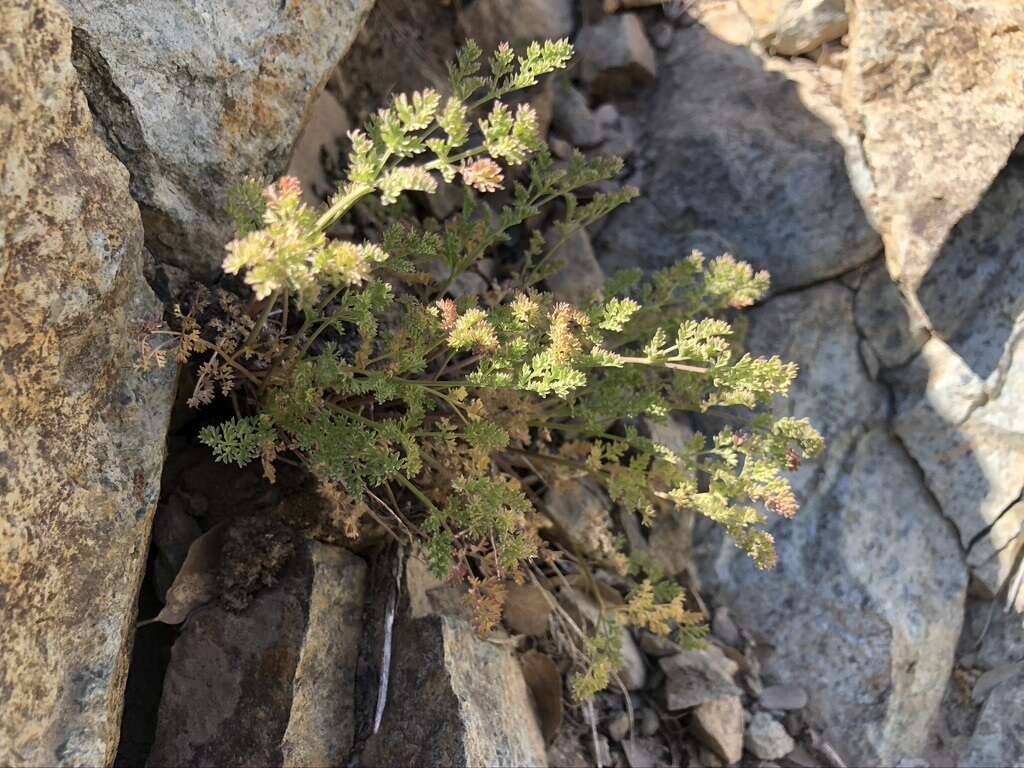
(650, 723)
(607, 116)
(618, 728)
(724, 627)
(661, 35)
(560, 148)
(783, 697)
(766, 738)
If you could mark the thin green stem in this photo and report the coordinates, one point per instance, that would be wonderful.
(664, 364)
(342, 205)
(409, 486)
(262, 319)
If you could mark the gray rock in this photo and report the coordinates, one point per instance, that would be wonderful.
(617, 58)
(491, 22)
(994, 677)
(747, 163)
(82, 431)
(724, 627)
(1002, 634)
(650, 723)
(997, 738)
(719, 724)
(645, 753)
(573, 119)
(447, 200)
(661, 35)
(979, 263)
(600, 752)
(454, 699)
(783, 697)
(634, 669)
(658, 646)
(695, 677)
(468, 284)
(195, 98)
(968, 446)
(934, 134)
(854, 580)
(623, 143)
(800, 26)
(865, 606)
(815, 329)
(766, 739)
(581, 279)
(607, 115)
(321, 718)
(959, 401)
(885, 319)
(273, 684)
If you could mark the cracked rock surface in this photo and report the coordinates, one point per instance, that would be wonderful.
(194, 97)
(865, 607)
(81, 430)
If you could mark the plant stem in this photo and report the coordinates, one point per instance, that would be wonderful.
(417, 493)
(664, 364)
(261, 320)
(342, 205)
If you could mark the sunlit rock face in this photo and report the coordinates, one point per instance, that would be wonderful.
(81, 430)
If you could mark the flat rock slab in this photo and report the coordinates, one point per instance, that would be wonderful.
(865, 607)
(959, 401)
(454, 699)
(273, 684)
(81, 430)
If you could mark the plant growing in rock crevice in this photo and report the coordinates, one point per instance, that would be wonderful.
(443, 418)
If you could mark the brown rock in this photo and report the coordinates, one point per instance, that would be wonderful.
(719, 724)
(792, 27)
(934, 91)
(545, 683)
(527, 609)
(726, 21)
(81, 431)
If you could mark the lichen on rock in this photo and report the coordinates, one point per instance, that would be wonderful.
(81, 430)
